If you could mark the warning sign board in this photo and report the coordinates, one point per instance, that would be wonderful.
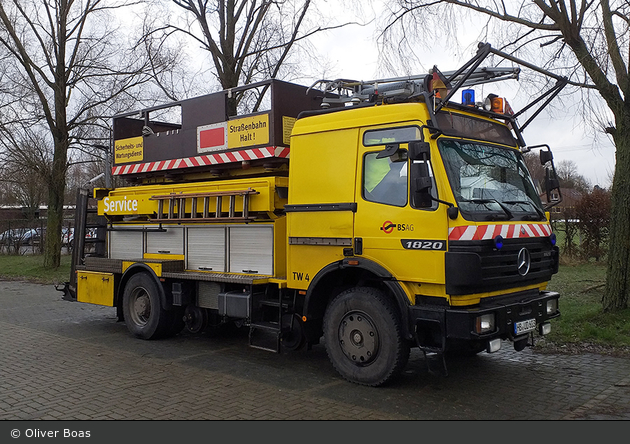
(287, 127)
(128, 150)
(248, 131)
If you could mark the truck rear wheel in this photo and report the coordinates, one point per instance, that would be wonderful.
(144, 315)
(363, 337)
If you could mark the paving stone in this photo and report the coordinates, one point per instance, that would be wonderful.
(70, 361)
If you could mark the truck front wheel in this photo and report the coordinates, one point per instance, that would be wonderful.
(144, 315)
(363, 337)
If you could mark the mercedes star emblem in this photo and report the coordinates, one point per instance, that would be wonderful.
(523, 262)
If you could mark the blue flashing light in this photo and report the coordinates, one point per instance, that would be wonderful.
(468, 97)
(498, 242)
(552, 238)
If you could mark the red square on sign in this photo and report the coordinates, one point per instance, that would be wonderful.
(212, 137)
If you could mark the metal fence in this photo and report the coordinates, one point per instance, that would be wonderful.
(24, 236)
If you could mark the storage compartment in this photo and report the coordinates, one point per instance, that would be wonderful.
(95, 288)
(234, 304)
(170, 241)
(205, 249)
(126, 244)
(251, 249)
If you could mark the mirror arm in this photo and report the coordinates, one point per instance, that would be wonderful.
(452, 211)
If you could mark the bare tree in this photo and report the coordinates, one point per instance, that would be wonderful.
(67, 64)
(570, 177)
(248, 40)
(587, 41)
(21, 173)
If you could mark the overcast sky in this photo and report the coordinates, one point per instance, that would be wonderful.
(352, 54)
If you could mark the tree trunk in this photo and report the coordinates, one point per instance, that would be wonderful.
(618, 273)
(57, 178)
(56, 191)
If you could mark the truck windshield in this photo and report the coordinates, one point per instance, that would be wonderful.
(490, 182)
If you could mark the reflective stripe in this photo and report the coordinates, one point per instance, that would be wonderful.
(210, 159)
(511, 231)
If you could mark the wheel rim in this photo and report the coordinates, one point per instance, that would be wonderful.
(358, 338)
(195, 318)
(140, 304)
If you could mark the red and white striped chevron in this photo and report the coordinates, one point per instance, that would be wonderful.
(511, 231)
(203, 160)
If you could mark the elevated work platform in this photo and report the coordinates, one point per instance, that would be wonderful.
(240, 127)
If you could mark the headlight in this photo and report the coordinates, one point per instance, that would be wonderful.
(485, 323)
(552, 306)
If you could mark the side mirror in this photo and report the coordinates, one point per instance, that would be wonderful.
(419, 150)
(545, 156)
(552, 182)
(421, 185)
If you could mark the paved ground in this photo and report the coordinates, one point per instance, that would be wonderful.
(69, 361)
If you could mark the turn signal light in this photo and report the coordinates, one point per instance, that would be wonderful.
(497, 105)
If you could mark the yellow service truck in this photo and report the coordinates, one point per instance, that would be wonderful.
(377, 215)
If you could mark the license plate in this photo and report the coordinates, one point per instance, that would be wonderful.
(524, 326)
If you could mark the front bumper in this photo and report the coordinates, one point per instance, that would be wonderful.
(434, 326)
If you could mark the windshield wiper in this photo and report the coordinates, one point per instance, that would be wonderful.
(538, 210)
(505, 209)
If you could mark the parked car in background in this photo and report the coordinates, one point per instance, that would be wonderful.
(67, 237)
(31, 236)
(19, 235)
(6, 238)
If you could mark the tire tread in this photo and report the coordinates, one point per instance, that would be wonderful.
(402, 346)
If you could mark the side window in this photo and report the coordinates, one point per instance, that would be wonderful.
(402, 134)
(385, 180)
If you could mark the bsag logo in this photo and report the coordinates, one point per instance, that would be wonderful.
(388, 227)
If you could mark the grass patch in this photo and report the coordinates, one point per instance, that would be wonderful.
(31, 268)
(583, 324)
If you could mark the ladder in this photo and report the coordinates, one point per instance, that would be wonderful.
(83, 226)
(406, 88)
(269, 336)
(172, 207)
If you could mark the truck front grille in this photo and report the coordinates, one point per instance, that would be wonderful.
(478, 266)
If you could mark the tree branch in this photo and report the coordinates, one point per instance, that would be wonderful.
(621, 70)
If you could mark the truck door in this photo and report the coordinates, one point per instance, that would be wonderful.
(407, 241)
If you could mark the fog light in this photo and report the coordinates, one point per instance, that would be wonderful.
(552, 306)
(545, 328)
(484, 323)
(493, 346)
